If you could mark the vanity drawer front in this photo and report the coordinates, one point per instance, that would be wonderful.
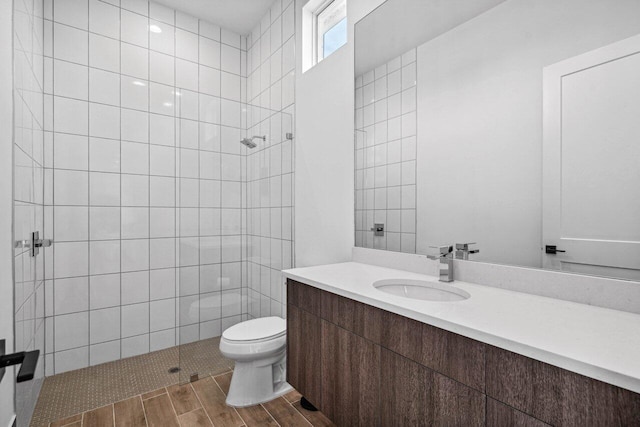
(412, 395)
(361, 319)
(455, 356)
(557, 396)
(304, 296)
(350, 377)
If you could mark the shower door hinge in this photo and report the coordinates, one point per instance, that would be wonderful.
(34, 244)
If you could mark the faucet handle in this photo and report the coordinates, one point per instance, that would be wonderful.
(443, 251)
(463, 251)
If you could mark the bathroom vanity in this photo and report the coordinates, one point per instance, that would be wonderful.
(367, 358)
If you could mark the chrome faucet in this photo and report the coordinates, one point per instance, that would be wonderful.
(446, 262)
(463, 251)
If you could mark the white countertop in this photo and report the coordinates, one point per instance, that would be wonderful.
(596, 342)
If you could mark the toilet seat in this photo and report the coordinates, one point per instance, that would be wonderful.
(256, 330)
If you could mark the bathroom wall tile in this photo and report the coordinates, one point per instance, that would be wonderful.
(186, 22)
(209, 52)
(135, 190)
(162, 314)
(70, 116)
(104, 53)
(162, 253)
(136, 88)
(104, 19)
(134, 28)
(135, 345)
(70, 151)
(134, 287)
(135, 93)
(161, 37)
(71, 359)
(104, 257)
(104, 325)
(135, 61)
(104, 352)
(105, 223)
(209, 30)
(104, 291)
(104, 121)
(162, 339)
(70, 80)
(161, 130)
(135, 319)
(161, 13)
(71, 295)
(70, 187)
(138, 6)
(135, 158)
(71, 330)
(187, 74)
(135, 255)
(161, 68)
(104, 86)
(104, 189)
(70, 44)
(71, 223)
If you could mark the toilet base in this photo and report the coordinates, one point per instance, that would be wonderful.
(259, 381)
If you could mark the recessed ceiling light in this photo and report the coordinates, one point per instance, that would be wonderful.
(155, 29)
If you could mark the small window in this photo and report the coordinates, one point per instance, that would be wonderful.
(331, 25)
(324, 30)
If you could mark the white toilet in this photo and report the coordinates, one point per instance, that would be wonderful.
(259, 348)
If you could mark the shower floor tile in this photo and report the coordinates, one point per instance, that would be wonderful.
(75, 392)
(200, 403)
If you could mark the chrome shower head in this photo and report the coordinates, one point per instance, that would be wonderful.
(249, 141)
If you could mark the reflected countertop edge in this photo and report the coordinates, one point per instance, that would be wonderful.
(596, 342)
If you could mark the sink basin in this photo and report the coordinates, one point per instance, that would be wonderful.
(421, 289)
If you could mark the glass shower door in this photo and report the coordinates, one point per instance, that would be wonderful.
(213, 214)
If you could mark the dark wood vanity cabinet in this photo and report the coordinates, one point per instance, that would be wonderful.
(363, 366)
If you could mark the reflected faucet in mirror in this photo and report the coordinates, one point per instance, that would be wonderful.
(446, 262)
(463, 251)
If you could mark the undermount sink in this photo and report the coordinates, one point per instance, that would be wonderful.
(421, 289)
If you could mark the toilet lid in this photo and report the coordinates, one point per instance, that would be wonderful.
(256, 329)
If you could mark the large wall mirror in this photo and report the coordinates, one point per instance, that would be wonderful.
(514, 124)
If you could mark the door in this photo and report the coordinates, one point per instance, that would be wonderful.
(591, 162)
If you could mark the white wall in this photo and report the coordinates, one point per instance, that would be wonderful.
(6, 203)
(324, 180)
(480, 120)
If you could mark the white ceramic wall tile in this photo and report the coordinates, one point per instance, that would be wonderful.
(385, 155)
(104, 19)
(104, 53)
(151, 88)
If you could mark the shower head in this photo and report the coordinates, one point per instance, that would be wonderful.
(249, 141)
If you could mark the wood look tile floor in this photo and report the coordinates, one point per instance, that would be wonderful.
(201, 403)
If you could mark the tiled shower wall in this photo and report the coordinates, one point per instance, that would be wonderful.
(270, 85)
(386, 155)
(144, 174)
(28, 83)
